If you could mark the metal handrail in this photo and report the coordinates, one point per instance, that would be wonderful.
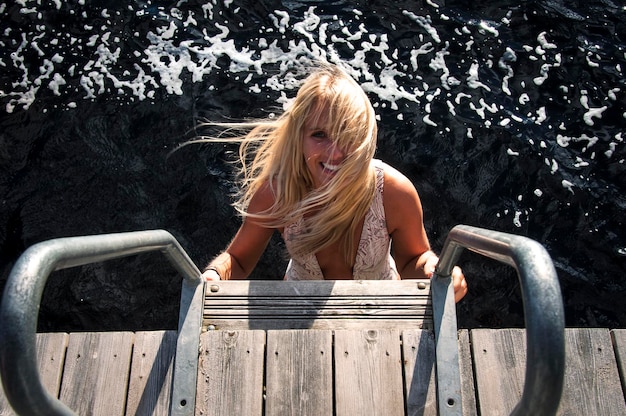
(543, 311)
(22, 296)
(540, 289)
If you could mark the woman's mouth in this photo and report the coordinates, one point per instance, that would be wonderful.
(330, 168)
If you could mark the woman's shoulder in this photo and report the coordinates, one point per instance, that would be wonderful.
(263, 199)
(395, 181)
(400, 197)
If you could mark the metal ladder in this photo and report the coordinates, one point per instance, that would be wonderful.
(543, 308)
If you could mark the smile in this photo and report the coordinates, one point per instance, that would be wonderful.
(329, 167)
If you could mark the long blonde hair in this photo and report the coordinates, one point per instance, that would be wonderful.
(272, 154)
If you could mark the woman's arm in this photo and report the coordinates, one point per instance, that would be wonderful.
(411, 249)
(244, 251)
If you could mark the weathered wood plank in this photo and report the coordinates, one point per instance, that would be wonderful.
(50, 357)
(619, 343)
(230, 373)
(318, 305)
(318, 288)
(368, 373)
(418, 349)
(591, 384)
(312, 323)
(95, 378)
(468, 391)
(500, 364)
(150, 381)
(299, 374)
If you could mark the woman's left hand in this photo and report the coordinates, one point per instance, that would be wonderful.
(458, 278)
(459, 283)
(210, 275)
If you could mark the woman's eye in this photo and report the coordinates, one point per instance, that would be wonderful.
(319, 134)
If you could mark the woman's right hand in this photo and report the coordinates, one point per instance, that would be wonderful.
(210, 275)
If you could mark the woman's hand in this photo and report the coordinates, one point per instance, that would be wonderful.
(210, 275)
(459, 283)
(458, 278)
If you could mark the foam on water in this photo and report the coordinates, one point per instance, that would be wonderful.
(186, 44)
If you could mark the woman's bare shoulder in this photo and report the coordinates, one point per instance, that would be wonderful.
(263, 199)
(400, 199)
(396, 183)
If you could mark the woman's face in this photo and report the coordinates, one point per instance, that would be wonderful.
(323, 157)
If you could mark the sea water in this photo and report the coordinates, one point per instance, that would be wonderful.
(508, 116)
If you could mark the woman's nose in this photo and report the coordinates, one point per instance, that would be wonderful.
(335, 152)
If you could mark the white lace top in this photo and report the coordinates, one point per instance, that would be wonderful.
(373, 258)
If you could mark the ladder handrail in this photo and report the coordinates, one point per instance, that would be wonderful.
(22, 296)
(543, 308)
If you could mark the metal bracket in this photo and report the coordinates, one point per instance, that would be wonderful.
(448, 379)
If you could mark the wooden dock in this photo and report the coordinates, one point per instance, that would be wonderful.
(320, 372)
(358, 355)
(309, 348)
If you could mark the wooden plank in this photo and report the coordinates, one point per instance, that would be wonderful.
(368, 373)
(591, 383)
(95, 378)
(619, 344)
(318, 305)
(151, 373)
(468, 391)
(299, 374)
(50, 357)
(337, 323)
(418, 349)
(500, 364)
(317, 288)
(230, 373)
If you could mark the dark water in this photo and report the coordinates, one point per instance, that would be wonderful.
(508, 116)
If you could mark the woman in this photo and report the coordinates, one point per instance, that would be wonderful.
(313, 179)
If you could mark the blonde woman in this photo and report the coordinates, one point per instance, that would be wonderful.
(312, 177)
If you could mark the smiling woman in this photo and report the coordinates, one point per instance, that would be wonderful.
(314, 179)
(323, 156)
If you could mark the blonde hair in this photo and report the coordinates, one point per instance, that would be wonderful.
(271, 154)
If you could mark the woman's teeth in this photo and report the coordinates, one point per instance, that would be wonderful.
(330, 167)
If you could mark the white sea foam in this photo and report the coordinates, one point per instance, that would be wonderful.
(591, 111)
(425, 23)
(396, 76)
(516, 220)
(568, 185)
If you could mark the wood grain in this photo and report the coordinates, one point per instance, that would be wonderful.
(591, 380)
(95, 379)
(150, 381)
(418, 350)
(50, 359)
(591, 377)
(299, 373)
(318, 305)
(468, 390)
(618, 336)
(500, 365)
(230, 373)
(368, 373)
